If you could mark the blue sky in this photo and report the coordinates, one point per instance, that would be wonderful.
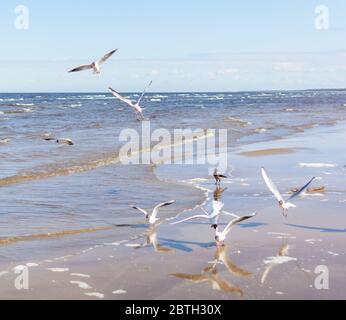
(190, 45)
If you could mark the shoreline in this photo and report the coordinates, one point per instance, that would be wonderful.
(137, 258)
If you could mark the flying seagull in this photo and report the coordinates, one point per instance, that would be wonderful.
(135, 106)
(220, 237)
(96, 65)
(152, 218)
(218, 177)
(285, 205)
(213, 217)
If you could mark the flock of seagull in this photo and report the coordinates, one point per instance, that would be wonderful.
(214, 216)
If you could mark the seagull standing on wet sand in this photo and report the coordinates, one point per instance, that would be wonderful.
(285, 205)
(218, 177)
(96, 65)
(152, 218)
(135, 106)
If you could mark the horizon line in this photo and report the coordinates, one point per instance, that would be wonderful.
(177, 92)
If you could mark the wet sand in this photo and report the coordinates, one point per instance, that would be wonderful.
(268, 257)
(267, 152)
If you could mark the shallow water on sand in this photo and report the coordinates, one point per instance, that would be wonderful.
(68, 206)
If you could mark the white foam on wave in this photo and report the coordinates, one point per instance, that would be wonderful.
(80, 275)
(317, 165)
(58, 270)
(118, 292)
(95, 294)
(81, 285)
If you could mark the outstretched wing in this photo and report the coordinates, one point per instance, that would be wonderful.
(141, 210)
(107, 56)
(301, 190)
(120, 97)
(230, 214)
(82, 68)
(144, 92)
(272, 187)
(192, 218)
(236, 221)
(161, 205)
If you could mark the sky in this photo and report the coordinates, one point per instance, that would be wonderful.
(194, 45)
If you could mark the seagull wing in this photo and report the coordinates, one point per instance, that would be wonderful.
(161, 205)
(107, 56)
(141, 210)
(192, 218)
(82, 68)
(144, 92)
(230, 214)
(301, 190)
(272, 187)
(236, 221)
(120, 97)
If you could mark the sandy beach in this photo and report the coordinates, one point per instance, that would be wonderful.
(117, 256)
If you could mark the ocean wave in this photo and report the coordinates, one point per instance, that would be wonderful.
(239, 121)
(318, 165)
(57, 234)
(24, 104)
(11, 99)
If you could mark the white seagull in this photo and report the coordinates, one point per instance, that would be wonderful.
(220, 237)
(284, 204)
(96, 65)
(135, 106)
(152, 218)
(213, 217)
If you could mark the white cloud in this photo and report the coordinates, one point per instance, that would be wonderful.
(288, 66)
(225, 72)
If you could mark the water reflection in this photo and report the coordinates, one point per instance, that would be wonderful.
(211, 273)
(282, 257)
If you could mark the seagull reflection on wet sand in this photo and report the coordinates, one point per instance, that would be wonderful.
(211, 274)
(281, 258)
(152, 240)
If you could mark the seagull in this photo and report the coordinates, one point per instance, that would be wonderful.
(218, 177)
(96, 65)
(285, 205)
(68, 142)
(213, 217)
(135, 106)
(220, 237)
(152, 218)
